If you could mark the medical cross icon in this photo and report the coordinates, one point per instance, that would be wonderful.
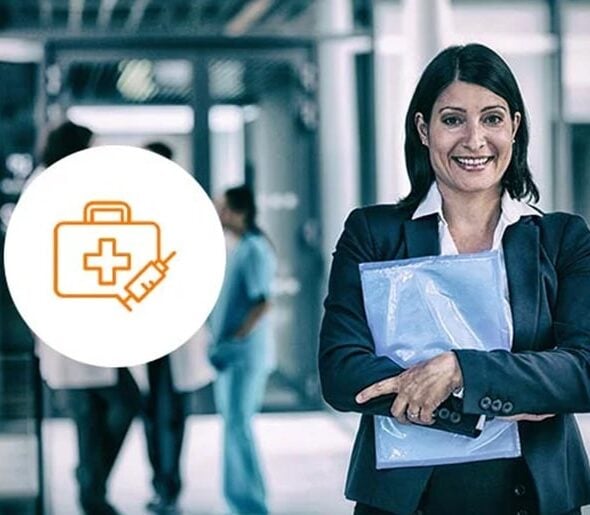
(108, 254)
(107, 262)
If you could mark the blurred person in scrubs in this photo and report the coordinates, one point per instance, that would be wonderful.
(242, 349)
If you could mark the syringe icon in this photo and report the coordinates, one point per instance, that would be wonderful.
(145, 281)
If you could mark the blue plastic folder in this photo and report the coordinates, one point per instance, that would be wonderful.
(419, 308)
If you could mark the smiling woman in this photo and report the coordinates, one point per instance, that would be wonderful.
(466, 156)
(469, 138)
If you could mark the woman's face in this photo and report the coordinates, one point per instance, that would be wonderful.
(469, 138)
(230, 219)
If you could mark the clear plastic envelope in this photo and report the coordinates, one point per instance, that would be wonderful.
(418, 308)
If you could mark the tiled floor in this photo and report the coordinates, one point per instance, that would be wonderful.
(304, 455)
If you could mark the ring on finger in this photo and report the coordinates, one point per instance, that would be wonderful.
(413, 414)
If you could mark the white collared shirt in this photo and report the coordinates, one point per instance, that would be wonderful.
(510, 212)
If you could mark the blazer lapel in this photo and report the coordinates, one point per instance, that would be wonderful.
(421, 236)
(521, 255)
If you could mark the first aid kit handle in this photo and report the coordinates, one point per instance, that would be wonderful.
(107, 211)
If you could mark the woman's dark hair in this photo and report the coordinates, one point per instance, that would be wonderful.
(475, 64)
(241, 200)
(64, 140)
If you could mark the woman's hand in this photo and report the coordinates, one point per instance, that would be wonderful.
(420, 389)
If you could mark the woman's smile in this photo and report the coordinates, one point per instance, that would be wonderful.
(472, 164)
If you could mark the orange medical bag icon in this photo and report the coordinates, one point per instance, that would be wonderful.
(107, 254)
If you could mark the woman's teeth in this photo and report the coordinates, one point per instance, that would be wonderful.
(472, 163)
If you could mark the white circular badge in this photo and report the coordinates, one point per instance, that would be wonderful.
(114, 256)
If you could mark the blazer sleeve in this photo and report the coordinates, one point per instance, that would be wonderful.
(556, 380)
(347, 359)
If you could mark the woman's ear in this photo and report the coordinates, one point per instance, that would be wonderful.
(515, 123)
(422, 128)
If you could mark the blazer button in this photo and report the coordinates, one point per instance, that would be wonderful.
(455, 417)
(507, 407)
(519, 490)
(496, 405)
(443, 413)
(485, 403)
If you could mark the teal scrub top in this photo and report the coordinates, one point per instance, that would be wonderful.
(250, 269)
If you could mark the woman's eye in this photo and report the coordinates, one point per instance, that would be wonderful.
(493, 119)
(452, 121)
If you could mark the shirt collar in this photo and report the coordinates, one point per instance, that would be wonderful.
(431, 204)
(512, 210)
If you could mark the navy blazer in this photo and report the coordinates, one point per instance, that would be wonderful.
(548, 370)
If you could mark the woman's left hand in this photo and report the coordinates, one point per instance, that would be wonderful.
(420, 389)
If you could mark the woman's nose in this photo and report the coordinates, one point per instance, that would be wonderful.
(474, 138)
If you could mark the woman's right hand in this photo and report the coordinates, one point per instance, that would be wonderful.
(420, 389)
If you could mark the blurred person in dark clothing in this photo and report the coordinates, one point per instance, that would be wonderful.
(163, 417)
(103, 401)
(168, 378)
